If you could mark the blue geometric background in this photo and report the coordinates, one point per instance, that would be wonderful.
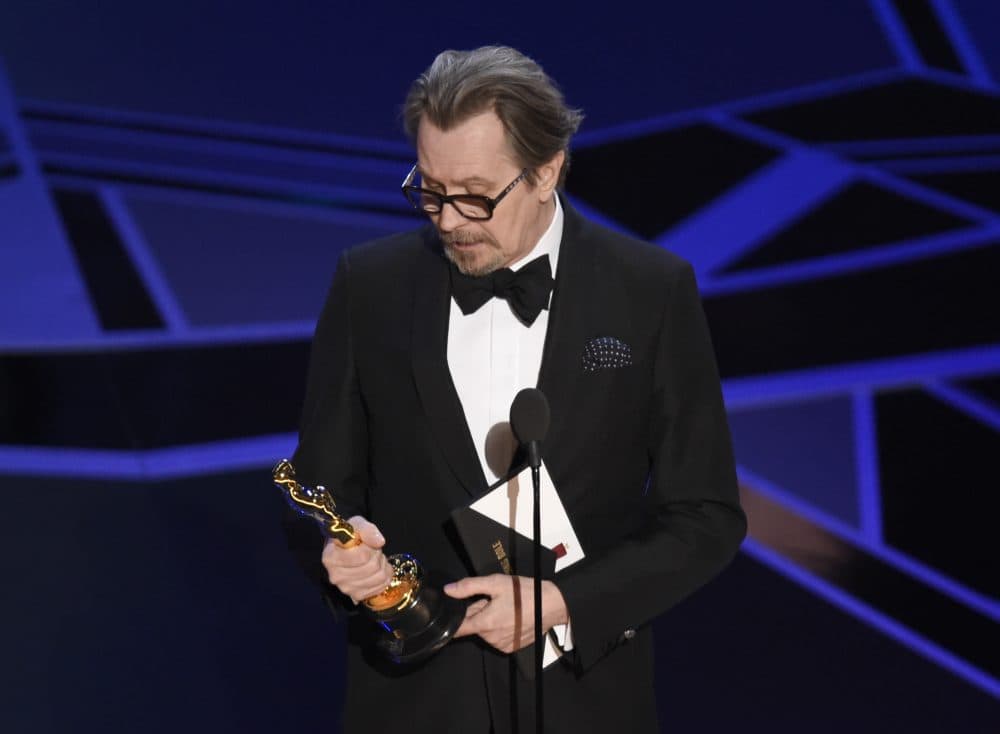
(176, 182)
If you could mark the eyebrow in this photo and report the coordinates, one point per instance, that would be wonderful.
(473, 180)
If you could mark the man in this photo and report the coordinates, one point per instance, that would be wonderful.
(411, 379)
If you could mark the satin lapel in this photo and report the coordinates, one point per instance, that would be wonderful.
(568, 322)
(431, 304)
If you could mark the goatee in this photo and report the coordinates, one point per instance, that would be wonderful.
(467, 262)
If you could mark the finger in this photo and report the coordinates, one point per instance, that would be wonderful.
(476, 607)
(477, 619)
(466, 628)
(336, 556)
(374, 573)
(368, 593)
(381, 576)
(472, 585)
(471, 625)
(368, 531)
(360, 582)
(365, 589)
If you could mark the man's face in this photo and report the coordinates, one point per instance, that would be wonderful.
(474, 158)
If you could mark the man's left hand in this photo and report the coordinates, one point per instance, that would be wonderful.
(506, 619)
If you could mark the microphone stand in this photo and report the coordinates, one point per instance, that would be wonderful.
(539, 638)
(529, 419)
(536, 519)
(535, 460)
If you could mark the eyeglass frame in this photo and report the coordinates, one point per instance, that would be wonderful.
(490, 202)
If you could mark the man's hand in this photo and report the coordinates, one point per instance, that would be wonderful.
(362, 570)
(506, 620)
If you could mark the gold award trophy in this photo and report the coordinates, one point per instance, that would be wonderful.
(417, 619)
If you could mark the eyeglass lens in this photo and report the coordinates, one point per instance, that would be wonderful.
(474, 207)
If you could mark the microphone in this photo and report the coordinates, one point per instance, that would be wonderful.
(529, 420)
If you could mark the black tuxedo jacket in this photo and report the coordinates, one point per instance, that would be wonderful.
(640, 454)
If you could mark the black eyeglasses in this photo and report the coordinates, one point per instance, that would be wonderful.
(470, 206)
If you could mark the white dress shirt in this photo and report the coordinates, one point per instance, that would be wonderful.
(492, 356)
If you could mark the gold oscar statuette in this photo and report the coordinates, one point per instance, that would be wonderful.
(416, 618)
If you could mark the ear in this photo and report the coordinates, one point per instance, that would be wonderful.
(548, 176)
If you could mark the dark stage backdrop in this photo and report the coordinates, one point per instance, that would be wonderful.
(177, 180)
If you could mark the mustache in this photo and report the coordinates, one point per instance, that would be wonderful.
(464, 238)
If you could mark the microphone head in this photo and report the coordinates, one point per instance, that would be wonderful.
(529, 415)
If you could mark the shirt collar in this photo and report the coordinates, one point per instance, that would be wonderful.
(549, 242)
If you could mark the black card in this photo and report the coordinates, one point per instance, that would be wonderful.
(496, 548)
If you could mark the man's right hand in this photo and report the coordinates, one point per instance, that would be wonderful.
(362, 570)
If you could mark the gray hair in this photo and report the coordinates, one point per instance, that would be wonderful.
(461, 84)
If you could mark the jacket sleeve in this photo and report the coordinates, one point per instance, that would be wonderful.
(333, 436)
(693, 521)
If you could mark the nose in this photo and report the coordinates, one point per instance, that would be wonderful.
(449, 219)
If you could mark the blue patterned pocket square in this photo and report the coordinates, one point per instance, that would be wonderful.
(606, 352)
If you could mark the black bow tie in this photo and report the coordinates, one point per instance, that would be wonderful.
(526, 290)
